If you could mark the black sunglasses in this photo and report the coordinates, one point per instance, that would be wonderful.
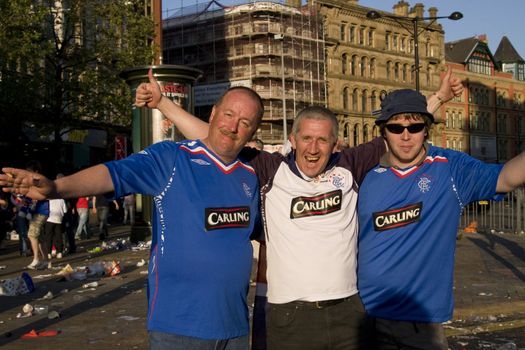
(398, 128)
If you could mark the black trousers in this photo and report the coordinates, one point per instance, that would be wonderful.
(398, 335)
(306, 326)
(53, 236)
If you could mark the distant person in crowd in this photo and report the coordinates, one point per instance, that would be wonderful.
(101, 208)
(69, 224)
(21, 209)
(82, 207)
(53, 235)
(39, 211)
(129, 209)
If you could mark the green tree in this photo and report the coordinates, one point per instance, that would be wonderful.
(60, 60)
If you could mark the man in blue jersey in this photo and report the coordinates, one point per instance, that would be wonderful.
(308, 202)
(409, 208)
(206, 204)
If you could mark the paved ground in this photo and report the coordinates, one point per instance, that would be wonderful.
(490, 298)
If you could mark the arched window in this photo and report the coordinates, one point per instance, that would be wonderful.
(355, 94)
(405, 72)
(372, 68)
(346, 133)
(364, 104)
(345, 98)
(375, 131)
(363, 66)
(388, 69)
(356, 134)
(373, 101)
(396, 71)
(353, 66)
(365, 133)
(344, 62)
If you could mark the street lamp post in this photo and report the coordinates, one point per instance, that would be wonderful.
(414, 31)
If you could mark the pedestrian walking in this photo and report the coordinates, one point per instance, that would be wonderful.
(129, 209)
(82, 207)
(21, 208)
(101, 209)
(53, 236)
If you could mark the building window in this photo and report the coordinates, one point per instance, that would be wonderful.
(403, 43)
(388, 36)
(356, 134)
(365, 133)
(460, 120)
(373, 101)
(363, 66)
(394, 42)
(355, 93)
(372, 68)
(405, 72)
(353, 67)
(364, 101)
(396, 71)
(344, 62)
(388, 68)
(346, 133)
(352, 34)
(361, 35)
(371, 37)
(345, 98)
(342, 32)
(447, 119)
(480, 66)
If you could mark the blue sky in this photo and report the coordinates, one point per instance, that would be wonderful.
(494, 18)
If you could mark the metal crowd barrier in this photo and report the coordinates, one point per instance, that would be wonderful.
(507, 215)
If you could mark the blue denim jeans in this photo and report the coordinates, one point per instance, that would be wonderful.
(167, 341)
(83, 217)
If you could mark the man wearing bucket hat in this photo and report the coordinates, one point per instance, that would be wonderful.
(409, 208)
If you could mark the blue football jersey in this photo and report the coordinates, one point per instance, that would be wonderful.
(201, 252)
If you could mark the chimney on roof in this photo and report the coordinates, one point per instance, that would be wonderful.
(419, 10)
(433, 12)
(483, 38)
(401, 8)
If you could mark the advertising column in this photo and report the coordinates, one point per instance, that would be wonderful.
(149, 125)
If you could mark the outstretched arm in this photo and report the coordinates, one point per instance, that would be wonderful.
(149, 95)
(512, 175)
(450, 86)
(93, 180)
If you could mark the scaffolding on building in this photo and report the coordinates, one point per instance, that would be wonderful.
(274, 47)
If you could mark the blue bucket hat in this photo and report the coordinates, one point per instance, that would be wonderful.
(403, 101)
